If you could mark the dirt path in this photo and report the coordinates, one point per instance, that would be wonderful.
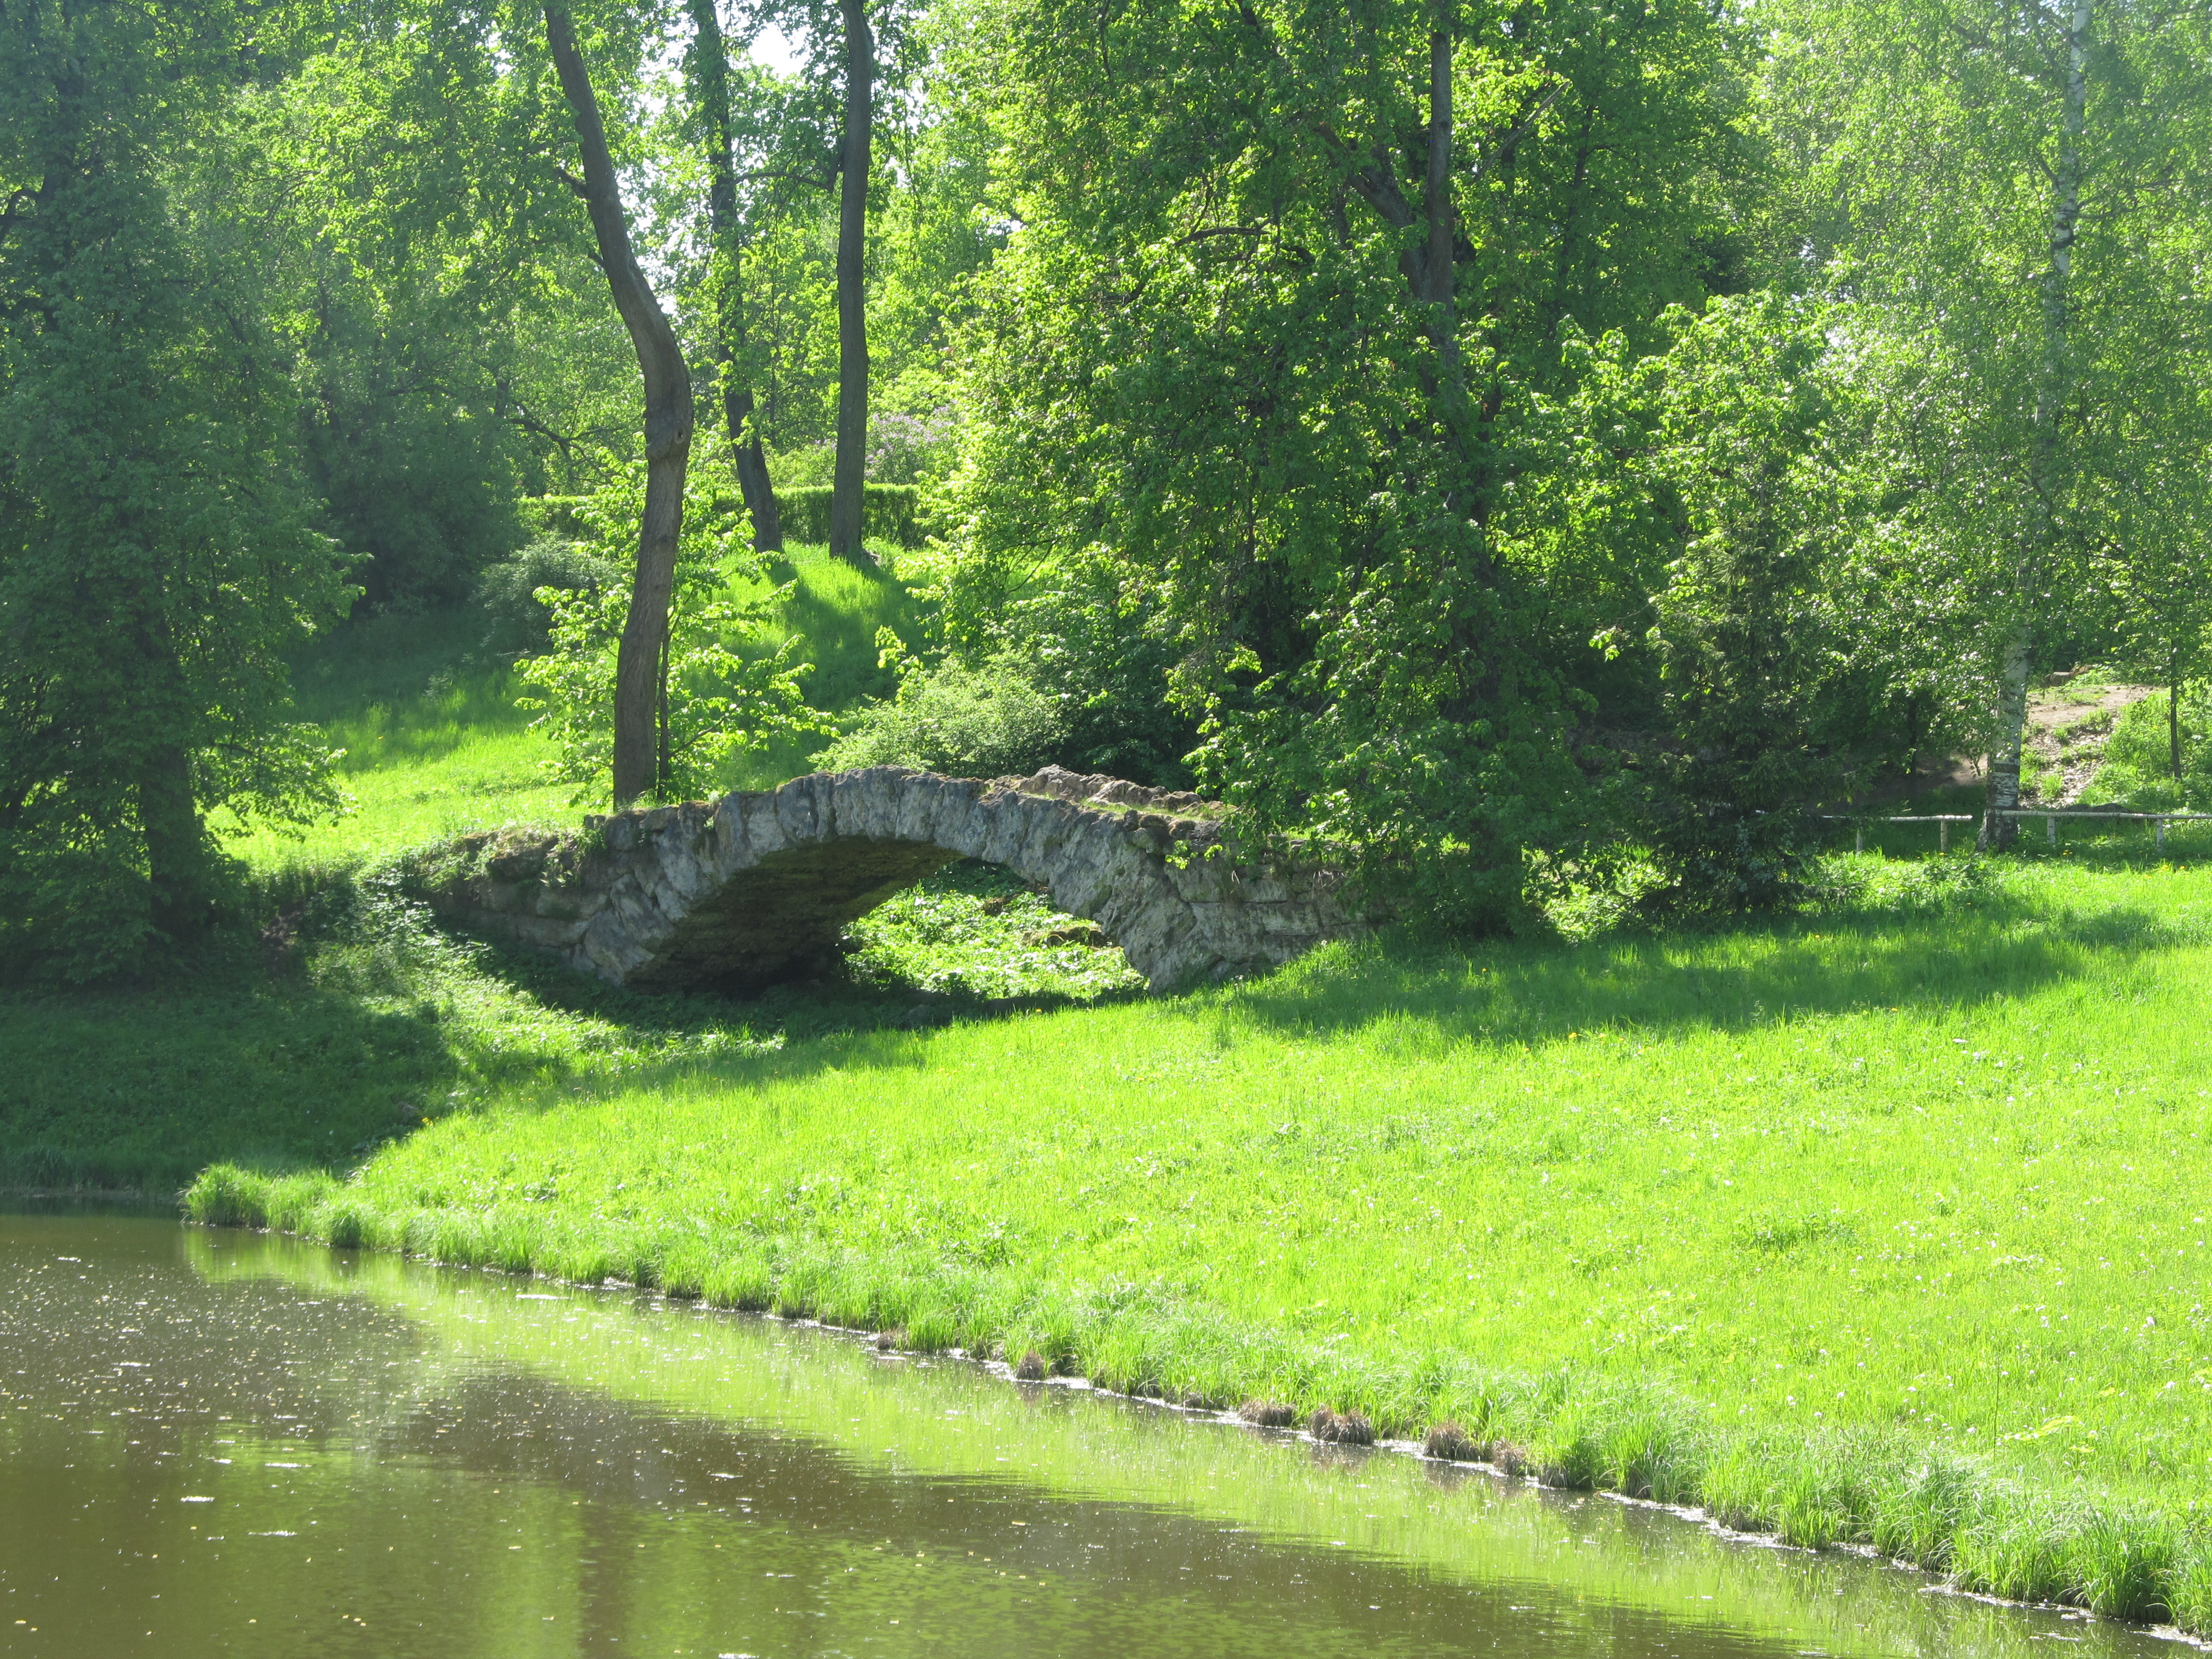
(2066, 733)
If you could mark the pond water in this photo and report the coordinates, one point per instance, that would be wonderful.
(224, 1444)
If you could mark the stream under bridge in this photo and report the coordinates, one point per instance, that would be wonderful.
(757, 887)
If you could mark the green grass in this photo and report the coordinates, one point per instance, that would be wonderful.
(1888, 1226)
(434, 747)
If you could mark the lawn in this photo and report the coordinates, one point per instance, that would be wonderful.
(1813, 1221)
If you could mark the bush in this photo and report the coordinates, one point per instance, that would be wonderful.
(903, 449)
(517, 623)
(986, 722)
(2138, 756)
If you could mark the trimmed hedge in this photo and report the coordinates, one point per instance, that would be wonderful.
(893, 512)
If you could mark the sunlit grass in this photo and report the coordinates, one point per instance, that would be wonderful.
(1932, 1176)
(481, 779)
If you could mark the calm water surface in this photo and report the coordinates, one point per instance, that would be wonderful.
(221, 1443)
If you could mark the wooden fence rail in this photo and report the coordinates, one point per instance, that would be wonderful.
(2049, 815)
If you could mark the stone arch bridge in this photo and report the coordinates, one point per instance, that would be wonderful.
(757, 886)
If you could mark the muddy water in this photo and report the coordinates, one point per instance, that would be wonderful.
(219, 1444)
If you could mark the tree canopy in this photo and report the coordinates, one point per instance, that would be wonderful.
(1515, 441)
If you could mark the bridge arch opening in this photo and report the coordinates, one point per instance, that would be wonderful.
(977, 932)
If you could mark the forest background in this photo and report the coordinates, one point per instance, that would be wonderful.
(1539, 447)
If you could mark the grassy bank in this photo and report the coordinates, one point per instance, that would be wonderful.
(1879, 1226)
(1884, 1226)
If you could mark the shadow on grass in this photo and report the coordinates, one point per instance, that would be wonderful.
(403, 689)
(784, 1033)
(1991, 945)
(1739, 976)
(142, 1086)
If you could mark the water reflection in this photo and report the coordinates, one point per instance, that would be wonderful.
(220, 1444)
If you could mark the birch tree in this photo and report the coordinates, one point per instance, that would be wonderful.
(1977, 179)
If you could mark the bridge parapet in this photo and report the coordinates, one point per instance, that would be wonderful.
(757, 886)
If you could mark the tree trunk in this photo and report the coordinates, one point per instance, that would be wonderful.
(1437, 286)
(668, 422)
(848, 492)
(176, 844)
(2003, 789)
(2174, 723)
(751, 464)
(2003, 793)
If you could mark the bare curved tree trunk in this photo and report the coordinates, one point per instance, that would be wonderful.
(668, 422)
(713, 80)
(848, 492)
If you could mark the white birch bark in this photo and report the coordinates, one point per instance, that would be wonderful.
(2017, 663)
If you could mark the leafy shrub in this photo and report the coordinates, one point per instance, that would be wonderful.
(1107, 656)
(2139, 760)
(911, 449)
(970, 722)
(903, 449)
(717, 703)
(517, 621)
(1766, 716)
(974, 930)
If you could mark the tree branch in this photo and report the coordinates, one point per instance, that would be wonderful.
(21, 194)
(1521, 130)
(827, 179)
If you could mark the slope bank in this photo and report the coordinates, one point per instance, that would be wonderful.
(1882, 1226)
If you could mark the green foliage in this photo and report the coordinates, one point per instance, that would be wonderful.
(903, 450)
(2137, 767)
(974, 931)
(422, 489)
(155, 552)
(991, 721)
(517, 623)
(719, 701)
(719, 704)
(1997, 208)
(1769, 710)
(1219, 378)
